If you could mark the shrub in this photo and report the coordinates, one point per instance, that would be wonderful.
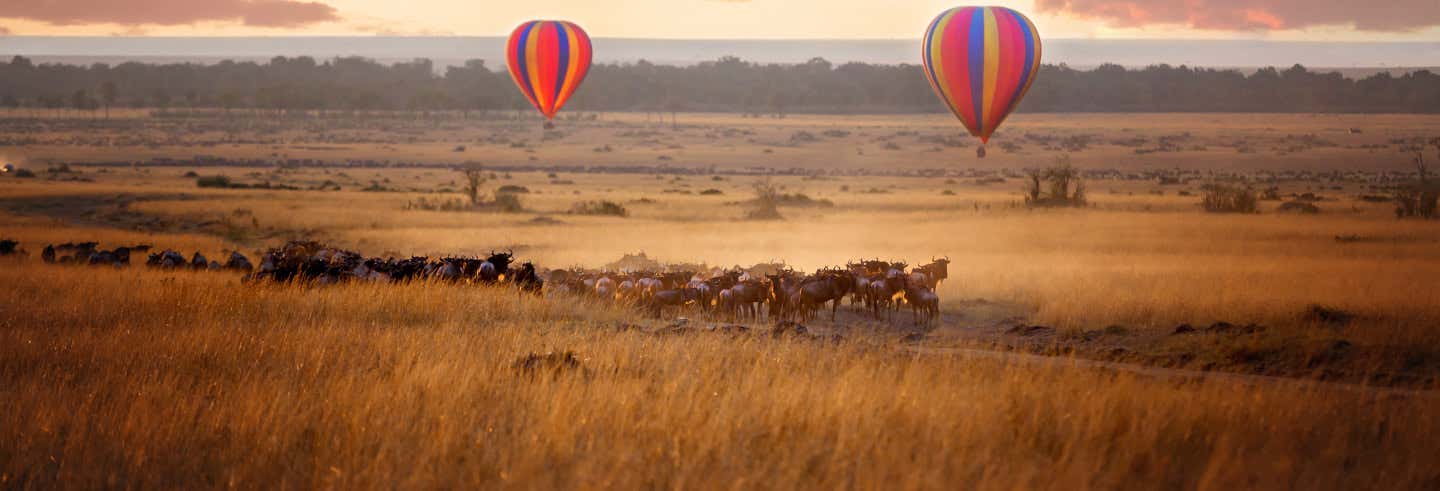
(1059, 179)
(424, 204)
(1221, 198)
(219, 181)
(766, 205)
(711, 192)
(512, 189)
(25, 174)
(603, 208)
(507, 203)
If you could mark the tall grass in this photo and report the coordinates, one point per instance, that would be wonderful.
(180, 380)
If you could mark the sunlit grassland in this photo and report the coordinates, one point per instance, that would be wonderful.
(147, 379)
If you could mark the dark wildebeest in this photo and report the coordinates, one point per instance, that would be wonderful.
(782, 290)
(72, 253)
(120, 257)
(528, 280)
(199, 262)
(9, 247)
(884, 292)
(922, 300)
(824, 286)
(748, 297)
(166, 259)
(676, 298)
(494, 267)
(605, 288)
(449, 269)
(937, 271)
(238, 262)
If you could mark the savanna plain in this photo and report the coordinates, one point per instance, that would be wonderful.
(1134, 341)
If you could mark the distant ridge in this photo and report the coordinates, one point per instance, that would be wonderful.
(446, 51)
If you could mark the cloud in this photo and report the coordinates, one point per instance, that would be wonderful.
(1247, 15)
(4, 31)
(255, 13)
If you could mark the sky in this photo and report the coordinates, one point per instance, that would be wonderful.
(1286, 20)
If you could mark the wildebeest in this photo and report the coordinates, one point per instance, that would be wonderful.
(198, 261)
(166, 259)
(494, 267)
(528, 280)
(69, 253)
(936, 272)
(824, 286)
(238, 262)
(10, 247)
(605, 288)
(923, 301)
(120, 257)
(676, 298)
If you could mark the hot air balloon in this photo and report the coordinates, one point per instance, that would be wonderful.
(981, 62)
(548, 60)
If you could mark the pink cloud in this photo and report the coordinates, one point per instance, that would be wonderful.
(1244, 15)
(257, 13)
(4, 31)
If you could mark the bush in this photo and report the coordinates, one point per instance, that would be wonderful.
(711, 192)
(436, 205)
(603, 208)
(801, 200)
(507, 203)
(1221, 198)
(512, 189)
(214, 182)
(766, 203)
(1052, 187)
(25, 174)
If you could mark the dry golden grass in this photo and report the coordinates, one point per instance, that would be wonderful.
(143, 379)
(1113, 264)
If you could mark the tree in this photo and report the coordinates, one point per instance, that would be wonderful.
(81, 101)
(108, 94)
(160, 98)
(475, 178)
(1059, 177)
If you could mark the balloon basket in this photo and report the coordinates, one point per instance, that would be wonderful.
(980, 152)
(549, 125)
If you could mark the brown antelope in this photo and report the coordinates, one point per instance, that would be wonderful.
(824, 286)
(923, 301)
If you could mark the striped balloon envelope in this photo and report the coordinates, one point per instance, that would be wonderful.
(981, 62)
(548, 60)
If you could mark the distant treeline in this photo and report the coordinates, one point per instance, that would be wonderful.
(725, 85)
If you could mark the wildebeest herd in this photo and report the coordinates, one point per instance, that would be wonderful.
(90, 253)
(883, 287)
(305, 261)
(776, 293)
